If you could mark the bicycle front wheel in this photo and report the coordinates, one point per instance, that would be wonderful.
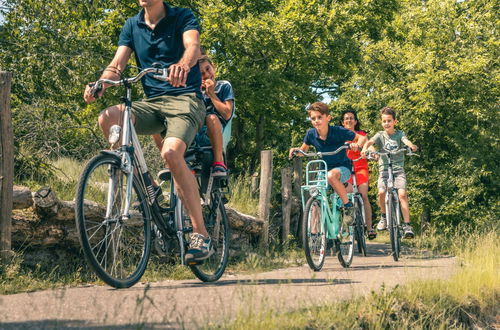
(314, 229)
(217, 225)
(393, 224)
(359, 228)
(344, 243)
(115, 246)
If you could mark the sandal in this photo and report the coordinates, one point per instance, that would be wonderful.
(372, 234)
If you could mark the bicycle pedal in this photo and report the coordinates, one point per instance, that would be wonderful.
(194, 263)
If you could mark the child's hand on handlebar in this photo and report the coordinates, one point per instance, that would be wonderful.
(354, 146)
(294, 153)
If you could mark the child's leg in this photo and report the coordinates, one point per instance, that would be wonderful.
(403, 200)
(338, 186)
(381, 200)
(214, 131)
(363, 189)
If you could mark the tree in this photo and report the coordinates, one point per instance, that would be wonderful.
(437, 65)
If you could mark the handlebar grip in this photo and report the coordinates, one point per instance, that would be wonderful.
(95, 89)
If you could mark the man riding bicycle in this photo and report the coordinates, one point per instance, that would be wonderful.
(169, 36)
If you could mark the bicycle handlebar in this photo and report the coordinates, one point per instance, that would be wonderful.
(160, 74)
(409, 152)
(319, 154)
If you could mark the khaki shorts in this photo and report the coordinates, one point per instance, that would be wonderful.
(178, 116)
(399, 178)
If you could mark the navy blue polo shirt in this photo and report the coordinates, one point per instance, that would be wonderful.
(336, 137)
(163, 45)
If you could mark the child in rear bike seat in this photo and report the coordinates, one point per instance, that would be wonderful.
(391, 139)
(219, 101)
(327, 138)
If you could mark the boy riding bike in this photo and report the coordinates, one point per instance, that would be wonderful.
(391, 139)
(329, 138)
(168, 36)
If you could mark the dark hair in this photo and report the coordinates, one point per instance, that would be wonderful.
(205, 58)
(320, 107)
(357, 127)
(388, 111)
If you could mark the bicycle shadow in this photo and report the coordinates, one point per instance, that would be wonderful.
(263, 281)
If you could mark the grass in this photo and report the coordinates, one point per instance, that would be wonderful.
(470, 299)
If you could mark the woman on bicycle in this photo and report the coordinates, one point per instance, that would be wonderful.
(349, 120)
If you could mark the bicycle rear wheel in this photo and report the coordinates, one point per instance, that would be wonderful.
(359, 228)
(344, 243)
(217, 225)
(116, 248)
(314, 229)
(393, 225)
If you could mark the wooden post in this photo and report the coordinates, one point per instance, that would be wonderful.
(6, 166)
(286, 201)
(266, 182)
(297, 183)
(255, 183)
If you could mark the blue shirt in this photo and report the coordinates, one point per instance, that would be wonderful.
(224, 92)
(163, 45)
(335, 138)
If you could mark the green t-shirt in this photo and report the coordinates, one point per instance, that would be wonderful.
(383, 141)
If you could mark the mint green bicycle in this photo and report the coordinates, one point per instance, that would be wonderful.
(323, 215)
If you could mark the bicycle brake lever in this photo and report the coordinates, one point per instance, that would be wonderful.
(163, 76)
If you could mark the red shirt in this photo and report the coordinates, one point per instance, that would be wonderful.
(362, 163)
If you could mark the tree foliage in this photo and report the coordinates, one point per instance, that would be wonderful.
(434, 61)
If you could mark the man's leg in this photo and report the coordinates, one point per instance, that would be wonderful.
(185, 182)
(403, 201)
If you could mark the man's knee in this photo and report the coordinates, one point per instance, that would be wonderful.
(402, 193)
(110, 116)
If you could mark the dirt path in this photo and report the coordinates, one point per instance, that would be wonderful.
(190, 303)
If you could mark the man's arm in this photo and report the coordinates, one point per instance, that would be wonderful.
(112, 71)
(179, 71)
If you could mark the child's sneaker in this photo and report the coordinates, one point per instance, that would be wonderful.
(219, 169)
(348, 214)
(382, 224)
(408, 231)
(200, 248)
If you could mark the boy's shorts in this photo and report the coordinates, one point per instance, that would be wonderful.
(399, 178)
(179, 116)
(345, 173)
(361, 176)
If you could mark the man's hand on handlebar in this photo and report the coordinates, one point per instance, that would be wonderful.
(92, 92)
(178, 74)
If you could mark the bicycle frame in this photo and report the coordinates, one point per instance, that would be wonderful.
(317, 185)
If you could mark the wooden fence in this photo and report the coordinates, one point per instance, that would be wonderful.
(6, 165)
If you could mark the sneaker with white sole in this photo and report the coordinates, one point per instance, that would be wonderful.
(408, 231)
(200, 248)
(382, 224)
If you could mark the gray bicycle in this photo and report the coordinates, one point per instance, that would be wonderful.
(118, 212)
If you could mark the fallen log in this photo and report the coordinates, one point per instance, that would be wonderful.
(21, 198)
(53, 221)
